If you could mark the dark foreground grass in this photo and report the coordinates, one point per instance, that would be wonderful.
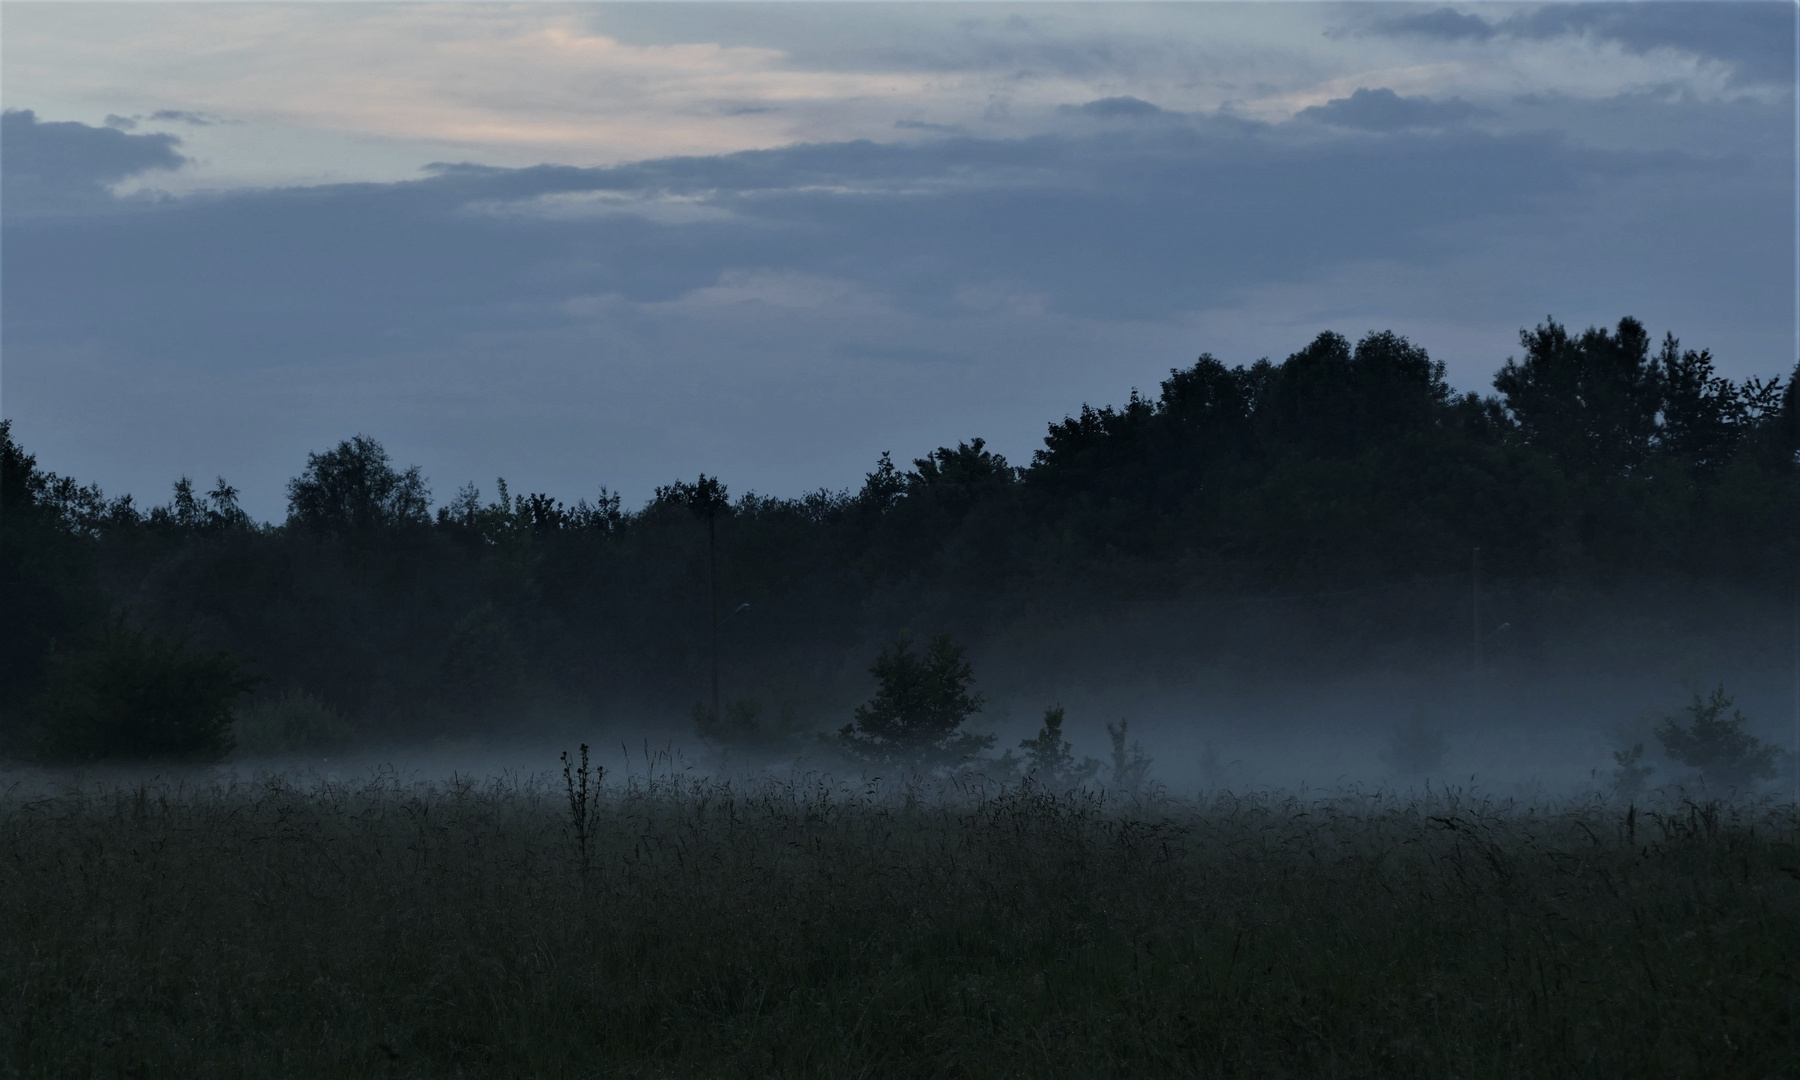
(386, 929)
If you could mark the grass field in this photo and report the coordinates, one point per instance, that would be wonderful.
(389, 929)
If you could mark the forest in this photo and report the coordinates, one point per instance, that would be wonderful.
(932, 910)
(1348, 481)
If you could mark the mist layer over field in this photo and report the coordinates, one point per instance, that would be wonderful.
(1327, 573)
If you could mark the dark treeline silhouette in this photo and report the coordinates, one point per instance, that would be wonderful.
(1345, 471)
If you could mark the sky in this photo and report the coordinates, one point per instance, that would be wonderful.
(608, 245)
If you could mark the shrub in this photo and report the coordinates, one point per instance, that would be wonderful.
(1717, 745)
(292, 722)
(1050, 761)
(1629, 772)
(132, 694)
(915, 717)
(744, 735)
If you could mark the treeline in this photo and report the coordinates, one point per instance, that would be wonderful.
(1603, 457)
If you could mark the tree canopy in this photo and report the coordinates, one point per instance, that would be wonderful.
(353, 489)
(1600, 458)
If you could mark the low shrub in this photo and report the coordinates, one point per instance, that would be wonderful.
(292, 722)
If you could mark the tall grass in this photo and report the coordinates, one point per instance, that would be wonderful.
(805, 928)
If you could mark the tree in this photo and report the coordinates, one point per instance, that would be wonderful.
(970, 465)
(133, 694)
(956, 481)
(189, 512)
(915, 717)
(353, 489)
(1592, 400)
(1726, 755)
(882, 488)
(50, 588)
(706, 499)
(1703, 414)
(1332, 401)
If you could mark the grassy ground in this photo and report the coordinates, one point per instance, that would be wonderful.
(385, 929)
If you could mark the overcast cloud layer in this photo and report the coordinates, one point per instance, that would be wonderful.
(598, 245)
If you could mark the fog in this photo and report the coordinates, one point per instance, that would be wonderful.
(1538, 723)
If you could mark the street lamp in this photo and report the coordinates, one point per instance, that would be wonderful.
(717, 716)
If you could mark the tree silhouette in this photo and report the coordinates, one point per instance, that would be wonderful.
(1716, 744)
(1340, 470)
(354, 489)
(1592, 399)
(914, 720)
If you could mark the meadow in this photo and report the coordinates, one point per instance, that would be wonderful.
(663, 926)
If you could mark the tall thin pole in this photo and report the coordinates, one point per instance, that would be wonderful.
(1794, 760)
(712, 589)
(1475, 611)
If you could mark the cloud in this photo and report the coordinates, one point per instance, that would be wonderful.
(1443, 24)
(164, 116)
(1179, 214)
(1756, 40)
(53, 168)
(663, 315)
(1108, 108)
(185, 116)
(922, 125)
(1384, 110)
(319, 93)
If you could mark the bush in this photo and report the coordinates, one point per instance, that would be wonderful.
(743, 736)
(1629, 772)
(1050, 761)
(293, 722)
(1726, 755)
(132, 694)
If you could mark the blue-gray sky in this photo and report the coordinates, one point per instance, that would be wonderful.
(587, 245)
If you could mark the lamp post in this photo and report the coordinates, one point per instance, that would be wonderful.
(705, 498)
(712, 599)
(1478, 639)
(717, 623)
(1475, 615)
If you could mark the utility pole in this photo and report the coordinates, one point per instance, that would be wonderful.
(1475, 613)
(706, 497)
(712, 589)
